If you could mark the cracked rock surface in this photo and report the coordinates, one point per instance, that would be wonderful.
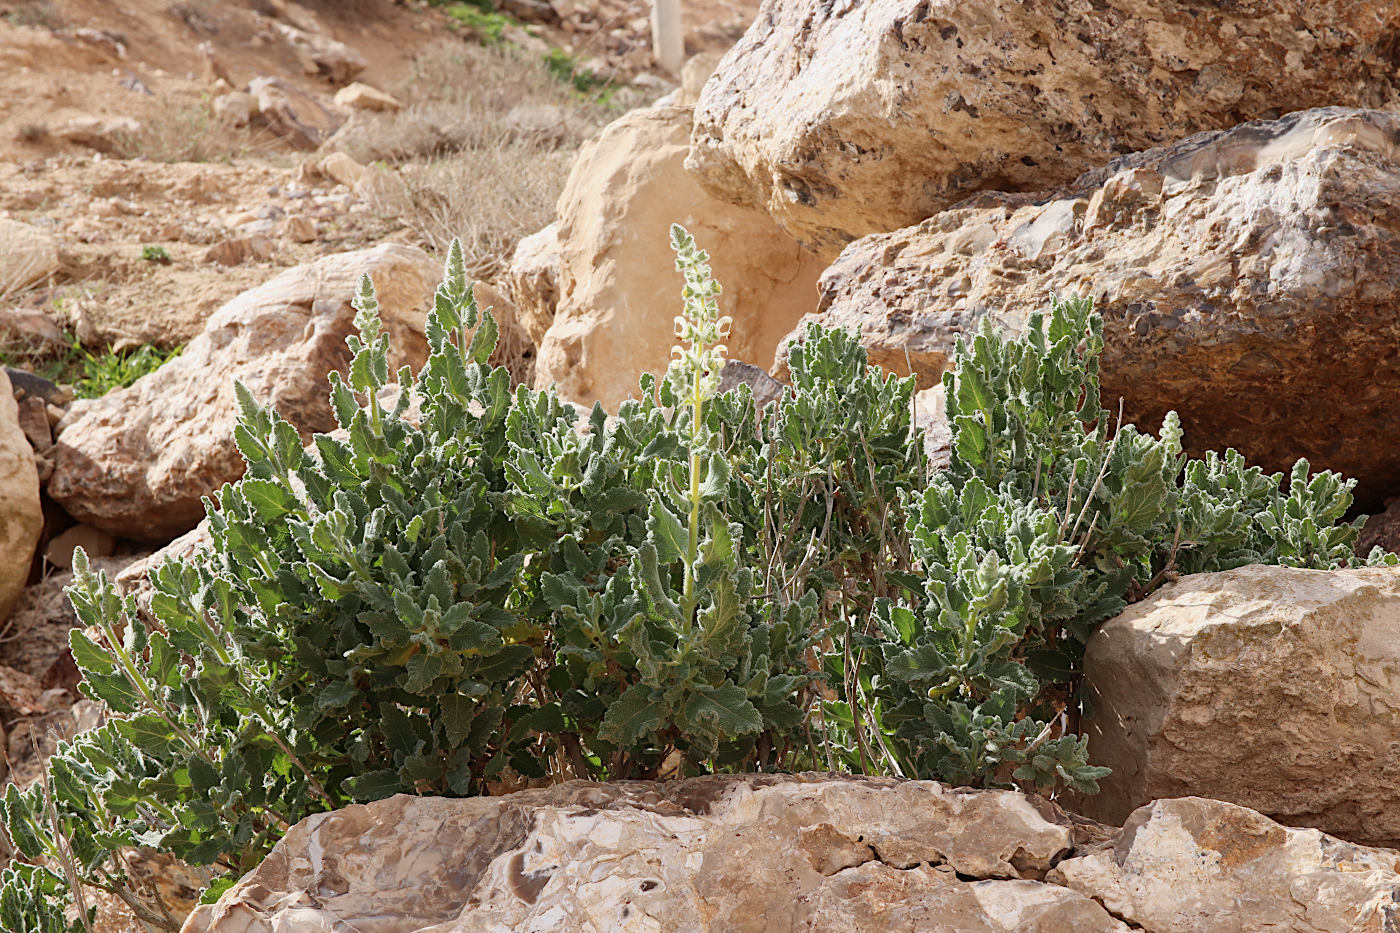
(776, 853)
(843, 119)
(138, 461)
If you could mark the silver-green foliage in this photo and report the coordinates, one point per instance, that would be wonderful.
(1050, 519)
(467, 588)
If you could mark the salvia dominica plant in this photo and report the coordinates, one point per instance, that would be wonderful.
(469, 588)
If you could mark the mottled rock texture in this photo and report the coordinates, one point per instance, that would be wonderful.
(1246, 280)
(751, 853)
(1271, 687)
(619, 291)
(21, 517)
(1202, 866)
(801, 854)
(533, 281)
(137, 461)
(849, 118)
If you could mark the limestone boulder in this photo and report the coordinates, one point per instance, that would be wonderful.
(299, 118)
(619, 291)
(809, 853)
(1246, 280)
(101, 133)
(21, 516)
(1270, 687)
(533, 281)
(1202, 866)
(845, 119)
(358, 96)
(319, 54)
(136, 462)
(754, 853)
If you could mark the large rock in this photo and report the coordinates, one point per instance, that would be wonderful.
(1270, 687)
(766, 854)
(844, 119)
(801, 854)
(21, 517)
(1202, 866)
(137, 461)
(319, 54)
(533, 281)
(1246, 280)
(619, 291)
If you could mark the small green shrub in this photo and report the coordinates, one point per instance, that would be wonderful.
(92, 374)
(491, 593)
(157, 254)
(103, 372)
(482, 19)
(568, 69)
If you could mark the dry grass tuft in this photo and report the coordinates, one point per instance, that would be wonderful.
(488, 134)
(176, 131)
(462, 95)
(489, 198)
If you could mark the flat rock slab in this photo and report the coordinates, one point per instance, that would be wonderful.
(811, 853)
(1202, 866)
(843, 119)
(1246, 280)
(744, 853)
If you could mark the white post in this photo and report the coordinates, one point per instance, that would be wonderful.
(667, 35)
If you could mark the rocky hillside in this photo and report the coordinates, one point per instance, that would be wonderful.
(190, 191)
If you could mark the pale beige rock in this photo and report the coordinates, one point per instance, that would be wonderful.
(1271, 687)
(320, 54)
(875, 897)
(931, 414)
(754, 853)
(236, 107)
(28, 256)
(357, 96)
(1245, 279)
(102, 134)
(21, 517)
(533, 280)
(342, 169)
(1202, 866)
(848, 119)
(238, 250)
(619, 291)
(136, 461)
(291, 113)
(696, 72)
(94, 541)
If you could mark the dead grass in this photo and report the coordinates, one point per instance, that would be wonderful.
(480, 152)
(462, 95)
(184, 131)
(489, 198)
(484, 143)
